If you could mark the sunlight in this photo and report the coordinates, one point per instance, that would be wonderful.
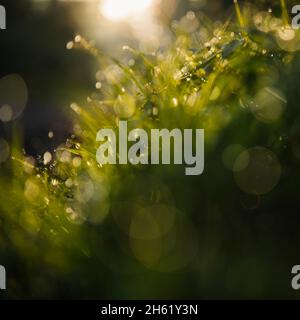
(120, 9)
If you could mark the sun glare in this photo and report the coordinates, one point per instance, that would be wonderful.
(122, 9)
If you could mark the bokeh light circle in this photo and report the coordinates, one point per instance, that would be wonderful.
(257, 171)
(13, 97)
(230, 154)
(269, 104)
